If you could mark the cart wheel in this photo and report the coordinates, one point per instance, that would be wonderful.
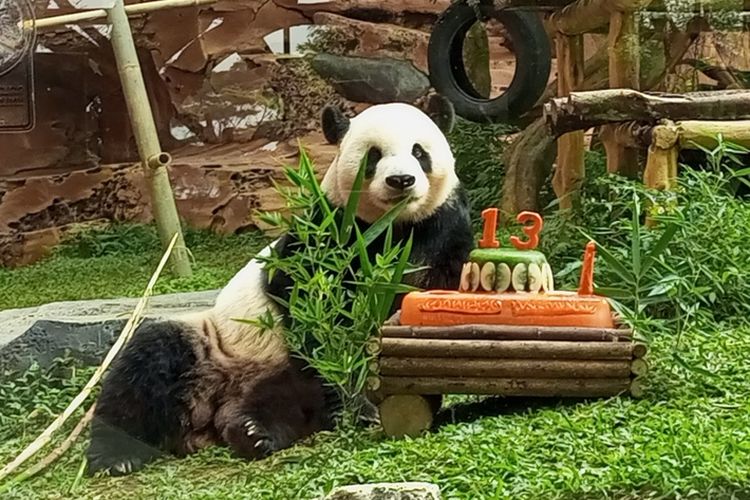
(405, 415)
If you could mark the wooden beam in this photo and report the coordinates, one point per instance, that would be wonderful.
(583, 110)
(570, 172)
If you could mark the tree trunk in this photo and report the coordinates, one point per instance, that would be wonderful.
(509, 349)
(477, 59)
(528, 161)
(533, 387)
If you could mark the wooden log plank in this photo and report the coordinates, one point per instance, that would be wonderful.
(504, 368)
(508, 349)
(506, 386)
(501, 332)
(583, 110)
(584, 16)
(405, 415)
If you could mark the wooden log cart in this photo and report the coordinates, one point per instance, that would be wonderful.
(505, 332)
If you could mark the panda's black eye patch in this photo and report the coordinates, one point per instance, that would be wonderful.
(373, 157)
(423, 157)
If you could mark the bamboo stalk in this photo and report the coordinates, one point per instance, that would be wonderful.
(504, 368)
(503, 332)
(694, 133)
(131, 10)
(127, 332)
(506, 349)
(506, 386)
(142, 121)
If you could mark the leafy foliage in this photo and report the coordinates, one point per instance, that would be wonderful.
(341, 292)
(478, 150)
(690, 265)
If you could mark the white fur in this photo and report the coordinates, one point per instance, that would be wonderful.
(244, 298)
(394, 129)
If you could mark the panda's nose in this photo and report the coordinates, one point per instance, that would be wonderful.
(400, 181)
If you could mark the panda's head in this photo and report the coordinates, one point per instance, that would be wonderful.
(407, 156)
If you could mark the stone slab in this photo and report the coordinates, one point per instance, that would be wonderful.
(82, 329)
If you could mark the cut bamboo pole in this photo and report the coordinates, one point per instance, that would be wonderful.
(694, 133)
(135, 318)
(502, 332)
(569, 172)
(509, 349)
(504, 368)
(142, 121)
(506, 386)
(131, 10)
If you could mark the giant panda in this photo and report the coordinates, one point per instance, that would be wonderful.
(205, 379)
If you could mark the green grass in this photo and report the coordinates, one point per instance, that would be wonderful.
(688, 438)
(118, 261)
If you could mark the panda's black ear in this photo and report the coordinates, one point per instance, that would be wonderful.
(441, 111)
(334, 123)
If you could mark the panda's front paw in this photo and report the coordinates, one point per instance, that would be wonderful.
(260, 440)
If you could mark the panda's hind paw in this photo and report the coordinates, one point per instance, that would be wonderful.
(114, 466)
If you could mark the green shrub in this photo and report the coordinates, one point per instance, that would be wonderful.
(700, 275)
(478, 149)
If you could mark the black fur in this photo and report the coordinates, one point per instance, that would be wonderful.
(374, 155)
(144, 398)
(423, 157)
(335, 124)
(441, 111)
(165, 394)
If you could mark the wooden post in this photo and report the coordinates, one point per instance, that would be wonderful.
(570, 172)
(624, 72)
(154, 160)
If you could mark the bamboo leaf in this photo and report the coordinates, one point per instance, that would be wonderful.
(375, 230)
(353, 202)
(660, 247)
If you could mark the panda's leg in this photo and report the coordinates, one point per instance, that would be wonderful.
(275, 412)
(142, 408)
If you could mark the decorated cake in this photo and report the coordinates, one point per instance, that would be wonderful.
(510, 286)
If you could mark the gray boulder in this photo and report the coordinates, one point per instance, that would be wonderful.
(372, 80)
(386, 491)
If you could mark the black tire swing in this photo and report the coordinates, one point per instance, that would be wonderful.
(448, 73)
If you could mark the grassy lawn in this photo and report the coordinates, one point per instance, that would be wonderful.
(688, 438)
(118, 262)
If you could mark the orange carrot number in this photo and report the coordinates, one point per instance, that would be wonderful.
(489, 233)
(531, 230)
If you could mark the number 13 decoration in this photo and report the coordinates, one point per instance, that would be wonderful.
(533, 225)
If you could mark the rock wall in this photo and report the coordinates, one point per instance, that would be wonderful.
(229, 94)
